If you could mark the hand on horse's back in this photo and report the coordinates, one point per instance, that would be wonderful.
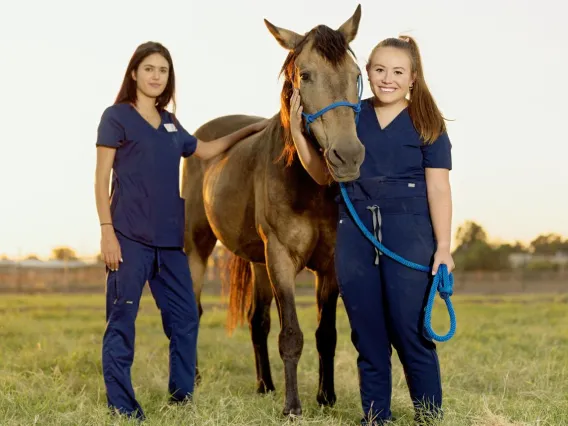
(261, 125)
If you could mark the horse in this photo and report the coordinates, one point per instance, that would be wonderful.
(261, 204)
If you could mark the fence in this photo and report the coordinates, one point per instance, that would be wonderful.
(90, 278)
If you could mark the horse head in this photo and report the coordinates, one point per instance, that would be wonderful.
(321, 65)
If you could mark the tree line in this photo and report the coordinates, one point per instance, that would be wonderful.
(473, 251)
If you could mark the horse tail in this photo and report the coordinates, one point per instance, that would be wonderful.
(239, 283)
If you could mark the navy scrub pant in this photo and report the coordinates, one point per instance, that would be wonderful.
(384, 299)
(167, 272)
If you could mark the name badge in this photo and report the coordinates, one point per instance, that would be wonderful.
(170, 127)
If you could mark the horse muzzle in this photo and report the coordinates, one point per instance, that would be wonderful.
(344, 160)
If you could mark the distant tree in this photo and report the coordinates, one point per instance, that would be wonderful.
(31, 257)
(508, 248)
(542, 265)
(469, 233)
(519, 247)
(548, 244)
(63, 253)
(480, 256)
(502, 252)
(475, 253)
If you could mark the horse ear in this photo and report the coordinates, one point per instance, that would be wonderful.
(351, 26)
(286, 38)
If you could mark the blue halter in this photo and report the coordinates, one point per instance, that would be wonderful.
(310, 118)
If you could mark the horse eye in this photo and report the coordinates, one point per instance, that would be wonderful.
(305, 76)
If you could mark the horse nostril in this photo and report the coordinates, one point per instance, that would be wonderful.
(336, 154)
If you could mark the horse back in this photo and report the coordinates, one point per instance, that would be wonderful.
(248, 192)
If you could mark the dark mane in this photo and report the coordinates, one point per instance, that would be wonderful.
(333, 47)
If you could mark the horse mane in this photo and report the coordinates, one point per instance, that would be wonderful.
(333, 47)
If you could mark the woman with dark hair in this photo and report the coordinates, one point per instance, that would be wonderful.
(142, 225)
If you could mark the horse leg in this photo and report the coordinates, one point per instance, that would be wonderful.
(259, 321)
(200, 248)
(197, 267)
(326, 334)
(282, 272)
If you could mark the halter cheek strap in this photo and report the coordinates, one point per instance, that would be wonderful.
(310, 118)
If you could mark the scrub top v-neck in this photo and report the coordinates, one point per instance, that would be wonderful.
(145, 201)
(396, 152)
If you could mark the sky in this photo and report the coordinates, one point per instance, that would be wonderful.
(496, 68)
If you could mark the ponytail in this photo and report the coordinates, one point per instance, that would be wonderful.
(424, 112)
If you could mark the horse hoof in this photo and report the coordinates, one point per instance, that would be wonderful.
(325, 400)
(292, 413)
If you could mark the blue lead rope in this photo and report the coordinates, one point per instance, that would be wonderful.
(443, 282)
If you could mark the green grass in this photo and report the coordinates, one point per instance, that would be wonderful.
(507, 365)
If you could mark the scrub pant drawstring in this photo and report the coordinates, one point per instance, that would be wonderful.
(377, 231)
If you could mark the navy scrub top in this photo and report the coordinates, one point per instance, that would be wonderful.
(397, 153)
(145, 201)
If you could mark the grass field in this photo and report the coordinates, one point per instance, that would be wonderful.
(507, 365)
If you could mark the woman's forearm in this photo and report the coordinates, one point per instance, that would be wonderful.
(207, 150)
(102, 199)
(105, 158)
(227, 141)
(440, 202)
(312, 160)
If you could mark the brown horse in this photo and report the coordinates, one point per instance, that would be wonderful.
(259, 201)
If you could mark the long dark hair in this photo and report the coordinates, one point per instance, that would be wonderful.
(127, 92)
(424, 112)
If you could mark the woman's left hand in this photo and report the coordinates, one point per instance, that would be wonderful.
(443, 256)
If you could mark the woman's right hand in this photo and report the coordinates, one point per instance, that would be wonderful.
(110, 248)
(312, 160)
(296, 114)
